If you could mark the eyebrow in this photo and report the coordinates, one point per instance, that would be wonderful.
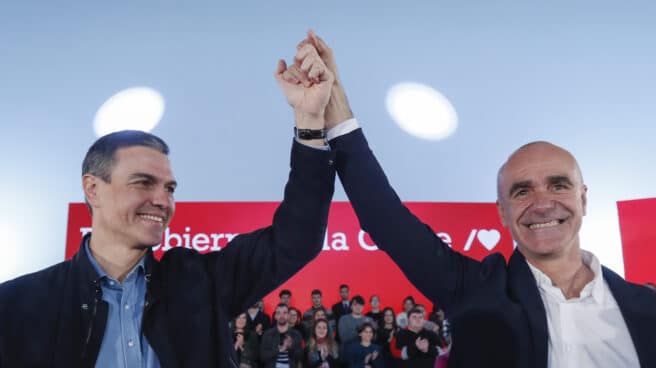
(559, 179)
(519, 185)
(150, 178)
(553, 179)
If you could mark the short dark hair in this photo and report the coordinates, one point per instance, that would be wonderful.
(101, 155)
(284, 292)
(357, 299)
(343, 286)
(410, 298)
(415, 310)
(282, 305)
(316, 292)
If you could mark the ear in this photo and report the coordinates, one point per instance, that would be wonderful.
(584, 198)
(502, 213)
(90, 187)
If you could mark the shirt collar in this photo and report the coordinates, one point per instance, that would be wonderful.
(139, 267)
(594, 288)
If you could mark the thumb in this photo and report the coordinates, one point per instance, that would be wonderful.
(281, 67)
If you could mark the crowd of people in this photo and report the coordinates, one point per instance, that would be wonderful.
(341, 335)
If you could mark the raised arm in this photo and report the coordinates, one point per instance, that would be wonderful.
(254, 264)
(429, 264)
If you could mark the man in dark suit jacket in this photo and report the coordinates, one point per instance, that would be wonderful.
(114, 305)
(343, 306)
(551, 305)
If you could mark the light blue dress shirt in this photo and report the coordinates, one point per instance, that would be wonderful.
(123, 345)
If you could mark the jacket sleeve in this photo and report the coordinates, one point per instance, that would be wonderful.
(254, 264)
(437, 271)
(378, 362)
(297, 347)
(251, 349)
(268, 347)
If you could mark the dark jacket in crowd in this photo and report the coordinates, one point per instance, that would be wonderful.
(271, 341)
(416, 358)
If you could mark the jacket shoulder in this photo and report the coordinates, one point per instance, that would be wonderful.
(34, 284)
(619, 284)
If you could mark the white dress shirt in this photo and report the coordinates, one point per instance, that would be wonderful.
(588, 331)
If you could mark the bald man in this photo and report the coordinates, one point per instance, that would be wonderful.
(551, 305)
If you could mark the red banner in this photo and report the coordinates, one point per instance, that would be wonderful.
(638, 229)
(348, 256)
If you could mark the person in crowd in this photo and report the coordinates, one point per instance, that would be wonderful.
(386, 336)
(322, 350)
(375, 313)
(321, 314)
(402, 318)
(428, 324)
(281, 346)
(246, 343)
(348, 324)
(418, 345)
(364, 353)
(284, 297)
(437, 316)
(343, 306)
(114, 305)
(317, 304)
(295, 322)
(257, 320)
(551, 304)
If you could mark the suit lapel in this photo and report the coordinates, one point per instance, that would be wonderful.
(524, 290)
(638, 316)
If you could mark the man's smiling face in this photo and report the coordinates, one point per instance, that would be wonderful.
(134, 208)
(542, 200)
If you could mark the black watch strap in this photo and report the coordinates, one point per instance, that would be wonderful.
(308, 134)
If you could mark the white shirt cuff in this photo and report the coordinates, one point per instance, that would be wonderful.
(342, 128)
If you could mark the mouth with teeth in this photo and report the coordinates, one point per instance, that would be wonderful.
(543, 225)
(154, 218)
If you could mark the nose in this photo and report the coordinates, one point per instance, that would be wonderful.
(162, 198)
(542, 200)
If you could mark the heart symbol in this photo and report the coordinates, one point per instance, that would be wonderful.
(489, 238)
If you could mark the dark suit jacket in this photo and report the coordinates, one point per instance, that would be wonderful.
(339, 310)
(496, 312)
(56, 317)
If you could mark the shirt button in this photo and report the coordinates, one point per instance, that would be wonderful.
(130, 343)
(111, 283)
(127, 306)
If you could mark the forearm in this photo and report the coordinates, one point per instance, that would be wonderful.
(254, 264)
(411, 244)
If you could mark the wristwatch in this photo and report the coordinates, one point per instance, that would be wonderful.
(308, 134)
